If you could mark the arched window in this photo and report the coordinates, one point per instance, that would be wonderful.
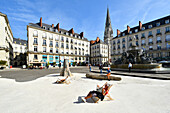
(167, 37)
(35, 33)
(158, 38)
(44, 35)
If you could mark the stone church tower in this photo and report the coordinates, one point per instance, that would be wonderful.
(108, 34)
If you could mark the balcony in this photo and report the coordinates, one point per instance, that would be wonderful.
(143, 44)
(50, 45)
(167, 40)
(67, 47)
(143, 37)
(158, 41)
(35, 35)
(51, 38)
(62, 46)
(158, 34)
(35, 43)
(150, 43)
(44, 37)
(130, 39)
(44, 44)
(167, 31)
(56, 39)
(150, 35)
(158, 48)
(56, 46)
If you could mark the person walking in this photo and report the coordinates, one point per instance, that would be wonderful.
(130, 66)
(90, 67)
(100, 67)
(108, 73)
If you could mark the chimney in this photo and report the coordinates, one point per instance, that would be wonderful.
(118, 32)
(41, 22)
(71, 31)
(97, 40)
(140, 25)
(82, 34)
(128, 29)
(58, 27)
(52, 25)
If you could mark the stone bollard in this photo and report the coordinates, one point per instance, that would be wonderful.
(65, 70)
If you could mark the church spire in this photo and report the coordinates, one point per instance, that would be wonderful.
(108, 27)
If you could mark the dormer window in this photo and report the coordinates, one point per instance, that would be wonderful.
(158, 24)
(150, 26)
(136, 30)
(118, 35)
(44, 27)
(56, 30)
(166, 21)
(123, 34)
(66, 33)
(75, 36)
(143, 28)
(79, 37)
(130, 32)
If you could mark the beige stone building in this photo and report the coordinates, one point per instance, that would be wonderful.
(49, 43)
(153, 37)
(6, 39)
(98, 52)
(19, 52)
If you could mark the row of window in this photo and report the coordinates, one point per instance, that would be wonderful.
(51, 51)
(35, 34)
(167, 38)
(167, 29)
(51, 43)
(51, 58)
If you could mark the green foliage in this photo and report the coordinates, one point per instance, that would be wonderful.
(74, 63)
(48, 64)
(3, 62)
(54, 63)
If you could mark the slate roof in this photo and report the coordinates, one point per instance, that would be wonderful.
(49, 27)
(153, 23)
(18, 41)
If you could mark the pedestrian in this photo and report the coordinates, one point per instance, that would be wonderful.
(108, 73)
(100, 67)
(130, 66)
(90, 67)
(60, 65)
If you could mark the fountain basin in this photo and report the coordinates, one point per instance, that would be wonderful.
(138, 66)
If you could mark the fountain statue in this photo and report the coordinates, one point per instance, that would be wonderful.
(135, 56)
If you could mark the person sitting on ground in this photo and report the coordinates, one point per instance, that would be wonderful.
(61, 81)
(108, 73)
(100, 93)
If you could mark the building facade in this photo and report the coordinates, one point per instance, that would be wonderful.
(19, 52)
(98, 52)
(51, 44)
(6, 39)
(153, 37)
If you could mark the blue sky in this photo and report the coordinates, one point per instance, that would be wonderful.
(86, 16)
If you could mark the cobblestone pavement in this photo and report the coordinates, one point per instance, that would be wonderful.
(23, 75)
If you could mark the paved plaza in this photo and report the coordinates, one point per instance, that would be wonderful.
(34, 91)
